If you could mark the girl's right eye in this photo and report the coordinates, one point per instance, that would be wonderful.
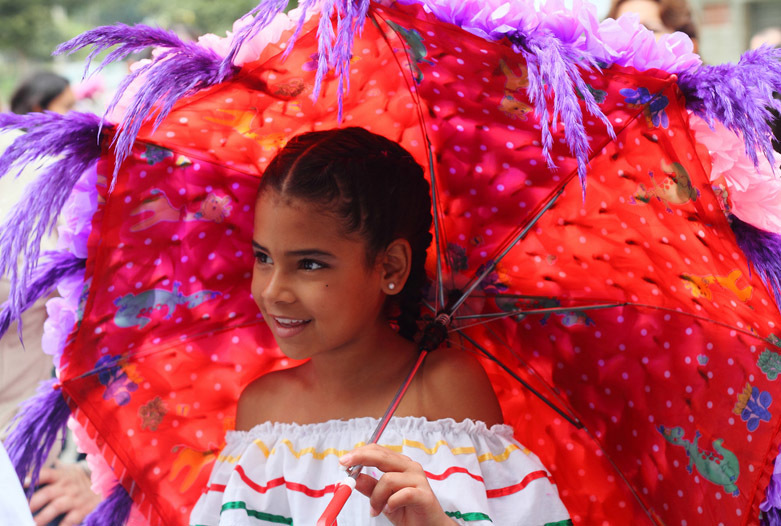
(263, 258)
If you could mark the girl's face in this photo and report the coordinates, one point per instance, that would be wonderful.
(311, 281)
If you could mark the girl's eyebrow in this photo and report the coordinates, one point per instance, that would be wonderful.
(307, 252)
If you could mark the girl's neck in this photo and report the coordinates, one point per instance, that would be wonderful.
(381, 359)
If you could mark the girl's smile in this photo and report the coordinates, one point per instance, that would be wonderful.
(288, 327)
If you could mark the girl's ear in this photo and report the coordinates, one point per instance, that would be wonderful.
(395, 263)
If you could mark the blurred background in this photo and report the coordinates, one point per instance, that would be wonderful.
(726, 27)
(31, 29)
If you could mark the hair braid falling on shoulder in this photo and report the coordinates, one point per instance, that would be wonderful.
(375, 187)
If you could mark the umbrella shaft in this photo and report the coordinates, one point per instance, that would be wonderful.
(354, 471)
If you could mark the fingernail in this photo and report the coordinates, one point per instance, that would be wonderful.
(373, 512)
(387, 509)
(345, 459)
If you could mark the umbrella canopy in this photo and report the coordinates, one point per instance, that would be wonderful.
(603, 271)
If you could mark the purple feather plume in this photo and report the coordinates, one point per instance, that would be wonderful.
(181, 69)
(113, 510)
(763, 251)
(334, 49)
(771, 507)
(73, 142)
(772, 517)
(35, 429)
(739, 96)
(553, 68)
(263, 14)
(53, 268)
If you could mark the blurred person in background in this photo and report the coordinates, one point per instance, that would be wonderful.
(63, 497)
(660, 16)
(43, 91)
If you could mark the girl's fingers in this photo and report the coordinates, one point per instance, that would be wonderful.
(379, 457)
(365, 484)
(389, 484)
(403, 489)
(411, 498)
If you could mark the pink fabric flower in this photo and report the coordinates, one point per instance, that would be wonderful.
(101, 474)
(625, 41)
(252, 48)
(755, 192)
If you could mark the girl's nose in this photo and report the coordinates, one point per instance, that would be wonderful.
(277, 288)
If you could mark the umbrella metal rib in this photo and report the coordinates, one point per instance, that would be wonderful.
(569, 417)
(438, 227)
(475, 282)
(578, 425)
(488, 317)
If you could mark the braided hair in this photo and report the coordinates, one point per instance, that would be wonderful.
(374, 186)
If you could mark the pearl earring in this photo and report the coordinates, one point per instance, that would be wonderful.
(391, 286)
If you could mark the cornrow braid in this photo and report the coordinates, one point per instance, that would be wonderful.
(374, 186)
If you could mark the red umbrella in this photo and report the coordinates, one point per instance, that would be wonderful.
(638, 341)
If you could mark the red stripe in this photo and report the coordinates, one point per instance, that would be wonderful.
(219, 488)
(294, 486)
(515, 488)
(450, 471)
(275, 483)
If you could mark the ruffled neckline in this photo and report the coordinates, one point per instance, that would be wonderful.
(401, 425)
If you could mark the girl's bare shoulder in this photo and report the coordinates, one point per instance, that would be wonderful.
(263, 399)
(456, 386)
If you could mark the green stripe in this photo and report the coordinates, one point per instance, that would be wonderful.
(567, 522)
(468, 517)
(239, 505)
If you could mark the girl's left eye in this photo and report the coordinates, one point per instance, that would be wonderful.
(262, 258)
(311, 264)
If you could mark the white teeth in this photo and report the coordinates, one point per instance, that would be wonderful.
(290, 321)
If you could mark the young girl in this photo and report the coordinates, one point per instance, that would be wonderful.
(342, 226)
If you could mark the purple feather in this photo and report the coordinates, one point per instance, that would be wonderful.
(113, 510)
(553, 68)
(739, 96)
(263, 14)
(73, 141)
(771, 517)
(35, 429)
(763, 251)
(334, 50)
(54, 267)
(181, 69)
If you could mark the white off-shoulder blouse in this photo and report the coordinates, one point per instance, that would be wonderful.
(286, 473)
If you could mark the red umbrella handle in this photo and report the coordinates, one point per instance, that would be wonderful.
(343, 491)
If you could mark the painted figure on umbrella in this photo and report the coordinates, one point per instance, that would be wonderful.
(338, 259)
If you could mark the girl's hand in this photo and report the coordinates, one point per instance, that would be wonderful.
(403, 493)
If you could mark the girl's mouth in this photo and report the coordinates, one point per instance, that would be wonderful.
(288, 327)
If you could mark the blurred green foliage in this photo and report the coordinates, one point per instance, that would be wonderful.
(33, 28)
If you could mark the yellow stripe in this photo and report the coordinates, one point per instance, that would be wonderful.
(320, 455)
(433, 450)
(228, 458)
(501, 457)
